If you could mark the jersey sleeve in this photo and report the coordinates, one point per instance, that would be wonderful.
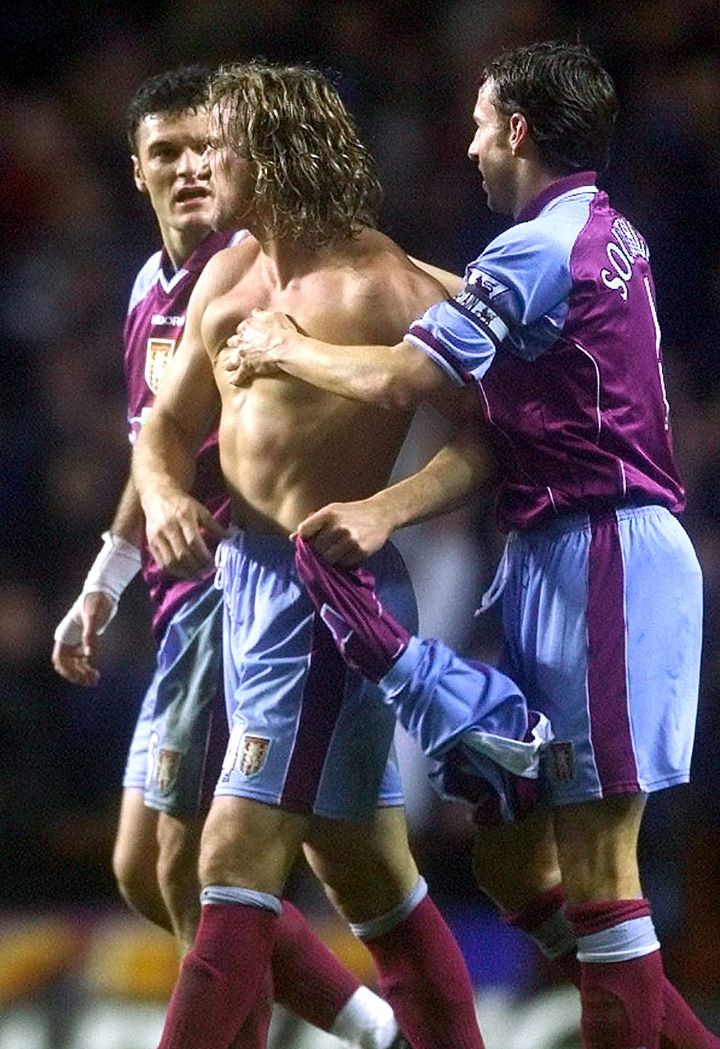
(136, 331)
(521, 280)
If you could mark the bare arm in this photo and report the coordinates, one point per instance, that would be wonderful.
(396, 377)
(451, 282)
(77, 635)
(163, 467)
(347, 533)
(129, 521)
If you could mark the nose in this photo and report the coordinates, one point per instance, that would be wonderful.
(190, 162)
(203, 167)
(472, 148)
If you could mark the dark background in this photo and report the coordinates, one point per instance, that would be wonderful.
(75, 231)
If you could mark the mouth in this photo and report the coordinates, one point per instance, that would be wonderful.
(190, 194)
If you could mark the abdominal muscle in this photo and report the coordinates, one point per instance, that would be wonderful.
(287, 449)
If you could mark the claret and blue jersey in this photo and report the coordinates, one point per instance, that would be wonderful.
(556, 325)
(153, 329)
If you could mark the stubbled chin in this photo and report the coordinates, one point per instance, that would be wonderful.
(203, 213)
(198, 219)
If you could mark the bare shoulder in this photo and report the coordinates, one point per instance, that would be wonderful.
(228, 266)
(390, 282)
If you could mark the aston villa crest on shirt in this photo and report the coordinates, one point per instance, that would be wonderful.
(253, 754)
(157, 358)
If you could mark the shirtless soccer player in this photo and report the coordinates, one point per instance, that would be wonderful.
(308, 752)
(182, 728)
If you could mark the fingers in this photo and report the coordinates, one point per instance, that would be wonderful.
(242, 372)
(71, 662)
(345, 533)
(253, 348)
(214, 527)
(181, 552)
(254, 328)
(341, 551)
(178, 544)
(311, 525)
(332, 540)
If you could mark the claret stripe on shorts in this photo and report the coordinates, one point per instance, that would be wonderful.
(610, 728)
(321, 703)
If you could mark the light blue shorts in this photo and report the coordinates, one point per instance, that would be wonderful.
(307, 733)
(603, 626)
(181, 732)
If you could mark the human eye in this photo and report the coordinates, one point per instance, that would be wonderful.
(164, 152)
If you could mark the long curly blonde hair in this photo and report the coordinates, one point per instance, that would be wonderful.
(315, 181)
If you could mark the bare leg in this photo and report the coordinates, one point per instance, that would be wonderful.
(135, 859)
(517, 866)
(374, 882)
(177, 873)
(246, 853)
(515, 862)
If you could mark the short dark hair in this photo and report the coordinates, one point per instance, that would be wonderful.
(175, 91)
(567, 98)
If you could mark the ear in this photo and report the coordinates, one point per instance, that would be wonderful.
(138, 175)
(518, 133)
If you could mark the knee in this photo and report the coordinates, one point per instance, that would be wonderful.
(597, 846)
(177, 863)
(363, 883)
(135, 876)
(516, 863)
(220, 859)
(249, 843)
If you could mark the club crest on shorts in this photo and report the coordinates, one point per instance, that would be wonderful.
(563, 760)
(157, 358)
(253, 752)
(167, 767)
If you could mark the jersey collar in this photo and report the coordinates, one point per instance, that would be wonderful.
(204, 251)
(561, 185)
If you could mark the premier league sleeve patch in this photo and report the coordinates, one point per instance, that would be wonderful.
(488, 304)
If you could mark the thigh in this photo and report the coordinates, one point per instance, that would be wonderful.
(597, 848)
(249, 844)
(603, 622)
(367, 867)
(189, 731)
(514, 862)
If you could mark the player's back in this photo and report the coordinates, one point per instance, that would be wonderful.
(288, 448)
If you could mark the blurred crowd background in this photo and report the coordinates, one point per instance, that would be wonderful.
(75, 231)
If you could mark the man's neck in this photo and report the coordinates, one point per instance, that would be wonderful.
(533, 181)
(179, 246)
(284, 260)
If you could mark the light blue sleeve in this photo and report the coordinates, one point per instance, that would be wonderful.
(514, 296)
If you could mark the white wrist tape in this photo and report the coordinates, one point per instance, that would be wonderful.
(69, 630)
(114, 567)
